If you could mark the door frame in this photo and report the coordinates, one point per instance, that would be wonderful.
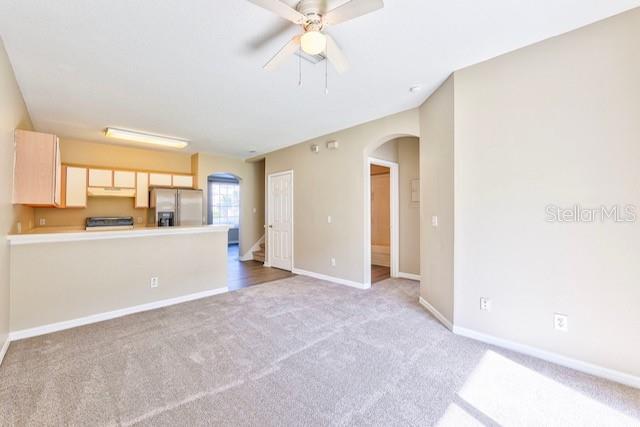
(395, 216)
(270, 213)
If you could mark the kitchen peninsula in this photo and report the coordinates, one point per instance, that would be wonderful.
(68, 278)
(62, 276)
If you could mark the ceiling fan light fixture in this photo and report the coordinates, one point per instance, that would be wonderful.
(313, 42)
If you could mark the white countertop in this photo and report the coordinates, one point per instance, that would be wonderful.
(73, 234)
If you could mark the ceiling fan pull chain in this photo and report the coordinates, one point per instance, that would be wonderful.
(326, 71)
(300, 67)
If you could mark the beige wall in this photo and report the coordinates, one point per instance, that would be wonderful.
(436, 179)
(78, 279)
(332, 183)
(406, 152)
(251, 176)
(554, 123)
(387, 151)
(13, 114)
(96, 206)
(409, 170)
(116, 156)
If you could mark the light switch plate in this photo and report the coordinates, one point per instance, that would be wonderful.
(434, 221)
(329, 219)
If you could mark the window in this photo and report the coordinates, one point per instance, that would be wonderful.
(225, 203)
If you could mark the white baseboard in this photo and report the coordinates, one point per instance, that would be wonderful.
(331, 279)
(249, 255)
(95, 318)
(578, 365)
(4, 349)
(409, 276)
(436, 314)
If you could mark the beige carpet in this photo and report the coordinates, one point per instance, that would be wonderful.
(294, 352)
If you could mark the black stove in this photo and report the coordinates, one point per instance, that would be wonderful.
(109, 222)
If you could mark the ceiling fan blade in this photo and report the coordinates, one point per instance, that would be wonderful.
(281, 9)
(351, 10)
(336, 56)
(288, 50)
(276, 31)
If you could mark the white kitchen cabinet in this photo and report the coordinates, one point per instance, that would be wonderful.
(76, 187)
(124, 179)
(142, 190)
(100, 178)
(185, 181)
(160, 180)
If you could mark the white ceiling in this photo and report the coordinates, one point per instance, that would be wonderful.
(193, 68)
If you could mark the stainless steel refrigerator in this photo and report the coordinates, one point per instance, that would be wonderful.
(176, 207)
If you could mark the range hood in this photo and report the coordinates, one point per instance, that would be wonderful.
(111, 192)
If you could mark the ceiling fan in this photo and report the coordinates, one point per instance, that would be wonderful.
(313, 18)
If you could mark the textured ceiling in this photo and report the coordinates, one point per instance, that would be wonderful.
(193, 68)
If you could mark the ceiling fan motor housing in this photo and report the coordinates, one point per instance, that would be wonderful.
(311, 9)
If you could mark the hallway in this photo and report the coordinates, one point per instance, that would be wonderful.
(379, 273)
(242, 274)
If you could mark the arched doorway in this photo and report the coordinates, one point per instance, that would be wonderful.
(400, 252)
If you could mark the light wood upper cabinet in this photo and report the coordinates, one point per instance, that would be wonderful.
(142, 190)
(37, 169)
(100, 178)
(124, 179)
(183, 181)
(160, 180)
(76, 187)
(57, 193)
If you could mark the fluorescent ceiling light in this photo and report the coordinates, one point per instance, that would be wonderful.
(146, 138)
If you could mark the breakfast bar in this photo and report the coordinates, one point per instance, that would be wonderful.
(65, 278)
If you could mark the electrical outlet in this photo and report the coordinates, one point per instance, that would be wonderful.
(329, 219)
(333, 262)
(434, 221)
(154, 282)
(561, 322)
(485, 304)
(43, 221)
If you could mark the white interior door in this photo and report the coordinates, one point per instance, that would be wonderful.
(280, 238)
